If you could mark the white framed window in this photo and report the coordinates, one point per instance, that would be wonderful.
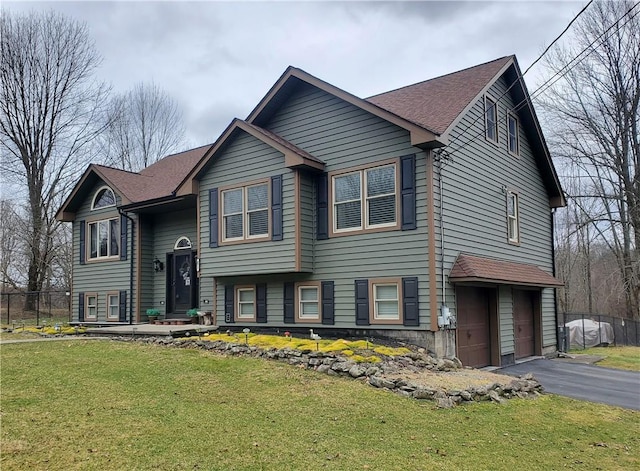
(246, 303)
(113, 306)
(182, 243)
(104, 238)
(490, 119)
(513, 133)
(365, 199)
(245, 212)
(513, 218)
(103, 198)
(308, 307)
(386, 301)
(90, 306)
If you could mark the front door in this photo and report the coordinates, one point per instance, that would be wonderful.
(183, 281)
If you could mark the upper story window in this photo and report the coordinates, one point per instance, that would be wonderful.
(490, 119)
(104, 238)
(103, 198)
(365, 199)
(513, 218)
(513, 133)
(245, 212)
(182, 243)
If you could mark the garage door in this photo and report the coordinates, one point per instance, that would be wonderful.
(523, 322)
(473, 332)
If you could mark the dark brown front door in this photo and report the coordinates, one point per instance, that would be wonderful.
(523, 322)
(474, 335)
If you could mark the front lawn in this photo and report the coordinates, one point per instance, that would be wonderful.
(109, 405)
(624, 358)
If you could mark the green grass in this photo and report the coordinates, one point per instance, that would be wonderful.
(108, 405)
(624, 358)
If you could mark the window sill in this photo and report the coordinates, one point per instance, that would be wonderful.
(266, 238)
(386, 321)
(103, 259)
(371, 230)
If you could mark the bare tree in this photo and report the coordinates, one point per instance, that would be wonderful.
(594, 121)
(145, 126)
(50, 112)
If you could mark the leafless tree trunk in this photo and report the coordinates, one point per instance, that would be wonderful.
(50, 111)
(594, 118)
(145, 126)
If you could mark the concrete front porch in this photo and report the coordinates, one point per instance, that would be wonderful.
(185, 330)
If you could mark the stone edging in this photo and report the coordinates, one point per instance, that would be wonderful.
(334, 364)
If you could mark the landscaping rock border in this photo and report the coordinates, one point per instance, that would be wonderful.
(334, 364)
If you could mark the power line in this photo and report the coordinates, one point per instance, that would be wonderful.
(549, 82)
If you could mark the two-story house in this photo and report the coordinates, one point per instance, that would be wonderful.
(423, 214)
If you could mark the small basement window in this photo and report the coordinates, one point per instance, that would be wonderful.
(246, 303)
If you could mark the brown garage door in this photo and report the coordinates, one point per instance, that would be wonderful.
(523, 322)
(473, 326)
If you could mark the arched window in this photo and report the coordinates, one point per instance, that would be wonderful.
(182, 243)
(103, 198)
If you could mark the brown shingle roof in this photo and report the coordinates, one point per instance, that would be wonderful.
(157, 180)
(434, 104)
(473, 268)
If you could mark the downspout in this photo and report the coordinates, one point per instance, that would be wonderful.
(133, 233)
(553, 272)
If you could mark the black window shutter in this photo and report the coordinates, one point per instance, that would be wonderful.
(276, 207)
(83, 246)
(289, 303)
(213, 218)
(410, 301)
(261, 302)
(328, 317)
(81, 307)
(123, 306)
(322, 203)
(408, 193)
(362, 302)
(124, 225)
(229, 305)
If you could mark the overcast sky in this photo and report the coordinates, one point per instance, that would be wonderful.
(218, 59)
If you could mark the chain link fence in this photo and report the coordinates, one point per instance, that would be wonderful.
(596, 329)
(47, 306)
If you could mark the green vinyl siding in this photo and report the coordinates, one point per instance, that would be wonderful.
(549, 328)
(99, 277)
(245, 160)
(307, 222)
(147, 274)
(505, 314)
(344, 136)
(168, 228)
(476, 180)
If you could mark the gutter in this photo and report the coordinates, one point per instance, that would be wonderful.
(133, 233)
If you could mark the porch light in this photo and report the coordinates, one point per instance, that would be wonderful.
(158, 265)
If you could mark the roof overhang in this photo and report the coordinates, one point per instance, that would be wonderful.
(162, 205)
(91, 175)
(294, 157)
(293, 77)
(471, 269)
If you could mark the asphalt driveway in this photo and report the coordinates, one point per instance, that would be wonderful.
(580, 381)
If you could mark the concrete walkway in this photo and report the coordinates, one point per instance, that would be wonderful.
(151, 329)
(582, 381)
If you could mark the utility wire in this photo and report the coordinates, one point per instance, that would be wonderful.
(549, 82)
(528, 69)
